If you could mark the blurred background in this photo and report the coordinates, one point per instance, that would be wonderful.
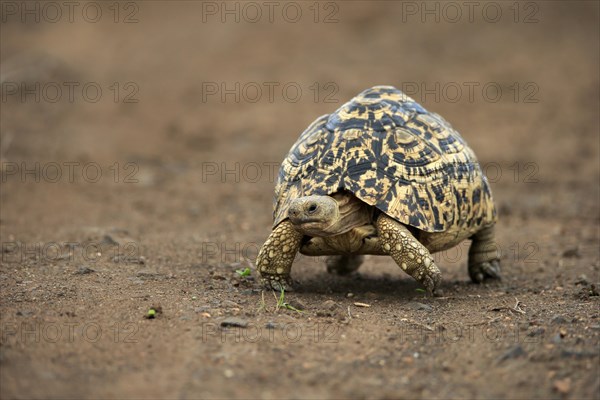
(189, 83)
(165, 122)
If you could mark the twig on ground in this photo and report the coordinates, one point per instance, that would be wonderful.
(410, 321)
(516, 309)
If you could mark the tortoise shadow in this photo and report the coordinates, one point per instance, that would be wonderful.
(360, 284)
(382, 286)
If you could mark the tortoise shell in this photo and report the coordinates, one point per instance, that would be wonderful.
(391, 153)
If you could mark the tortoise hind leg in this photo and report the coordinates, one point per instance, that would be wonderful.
(275, 258)
(343, 264)
(414, 258)
(484, 259)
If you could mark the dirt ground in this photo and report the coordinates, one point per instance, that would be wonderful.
(139, 144)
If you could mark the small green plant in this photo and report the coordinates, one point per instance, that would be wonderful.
(262, 306)
(420, 290)
(243, 272)
(281, 300)
(281, 303)
(290, 307)
(153, 312)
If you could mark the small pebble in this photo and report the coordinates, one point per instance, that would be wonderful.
(414, 305)
(572, 252)
(556, 339)
(536, 332)
(234, 322)
(562, 385)
(84, 270)
(329, 305)
(229, 303)
(514, 352)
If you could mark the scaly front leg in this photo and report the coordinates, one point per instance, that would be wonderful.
(275, 258)
(414, 259)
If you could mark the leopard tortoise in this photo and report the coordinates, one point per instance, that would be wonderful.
(382, 176)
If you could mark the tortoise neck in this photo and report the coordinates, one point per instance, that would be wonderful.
(352, 213)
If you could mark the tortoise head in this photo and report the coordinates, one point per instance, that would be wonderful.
(313, 215)
(328, 215)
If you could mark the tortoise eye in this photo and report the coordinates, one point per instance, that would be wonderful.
(312, 208)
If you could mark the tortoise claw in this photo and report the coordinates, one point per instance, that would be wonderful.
(432, 282)
(277, 282)
(486, 270)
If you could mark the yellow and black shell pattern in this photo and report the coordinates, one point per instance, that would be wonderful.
(391, 153)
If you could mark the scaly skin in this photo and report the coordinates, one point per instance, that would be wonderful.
(484, 259)
(317, 215)
(275, 258)
(409, 254)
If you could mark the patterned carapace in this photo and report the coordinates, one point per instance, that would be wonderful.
(392, 154)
